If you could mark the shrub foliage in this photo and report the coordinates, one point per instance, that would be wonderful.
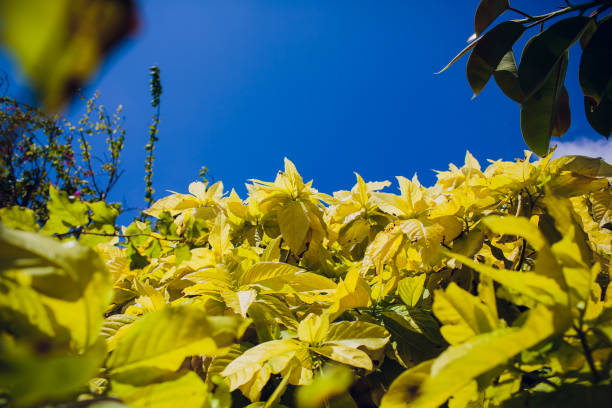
(489, 288)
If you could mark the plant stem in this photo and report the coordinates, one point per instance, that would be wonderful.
(587, 353)
(536, 20)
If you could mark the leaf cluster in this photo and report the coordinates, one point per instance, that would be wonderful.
(536, 83)
(489, 288)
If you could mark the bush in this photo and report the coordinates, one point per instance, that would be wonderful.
(489, 288)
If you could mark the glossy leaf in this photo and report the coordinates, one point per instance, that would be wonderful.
(543, 52)
(487, 12)
(489, 52)
(357, 334)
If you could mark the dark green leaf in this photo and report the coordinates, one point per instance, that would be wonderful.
(487, 12)
(137, 261)
(538, 111)
(489, 52)
(543, 51)
(506, 76)
(600, 116)
(595, 72)
(563, 118)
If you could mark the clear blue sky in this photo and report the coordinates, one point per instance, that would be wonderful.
(336, 86)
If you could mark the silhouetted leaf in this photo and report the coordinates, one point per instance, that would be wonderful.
(595, 72)
(563, 118)
(600, 116)
(489, 52)
(538, 111)
(543, 51)
(506, 76)
(487, 12)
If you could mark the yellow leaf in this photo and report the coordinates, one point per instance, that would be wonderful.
(357, 334)
(460, 364)
(243, 368)
(263, 271)
(189, 389)
(411, 289)
(345, 355)
(313, 328)
(162, 339)
(463, 315)
(294, 225)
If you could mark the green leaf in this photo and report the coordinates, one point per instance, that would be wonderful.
(487, 12)
(294, 225)
(411, 289)
(594, 73)
(489, 52)
(263, 271)
(600, 116)
(539, 111)
(188, 390)
(18, 218)
(181, 253)
(162, 339)
(543, 52)
(64, 214)
(31, 377)
(506, 76)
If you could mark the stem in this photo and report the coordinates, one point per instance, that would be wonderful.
(278, 392)
(101, 234)
(536, 20)
(587, 352)
(520, 12)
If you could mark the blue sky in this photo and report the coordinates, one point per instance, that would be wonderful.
(336, 86)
